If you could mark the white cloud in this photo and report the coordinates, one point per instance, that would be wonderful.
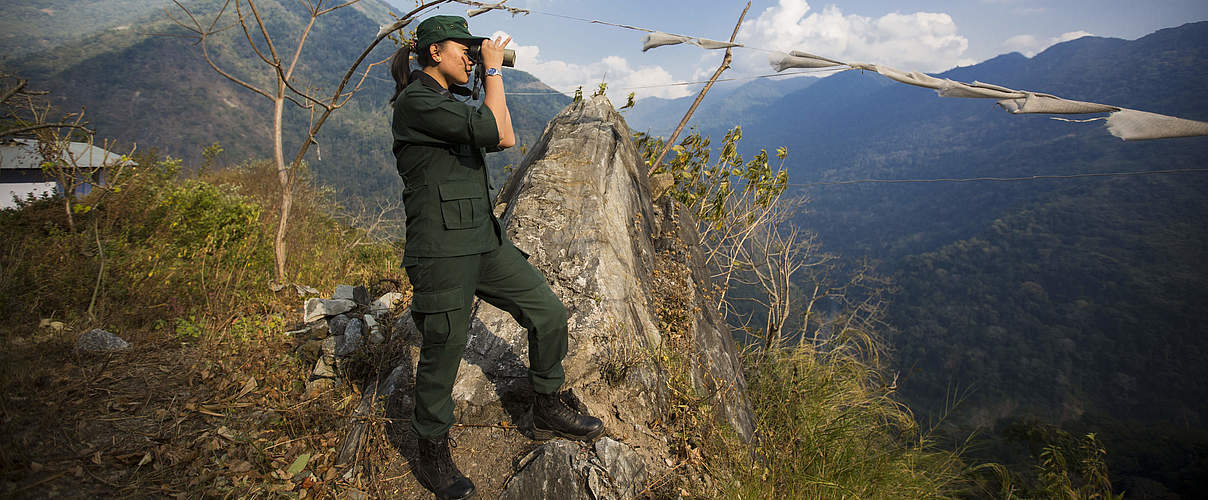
(1030, 45)
(922, 41)
(614, 70)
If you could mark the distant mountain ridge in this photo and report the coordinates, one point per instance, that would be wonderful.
(145, 84)
(724, 106)
(1060, 300)
(857, 125)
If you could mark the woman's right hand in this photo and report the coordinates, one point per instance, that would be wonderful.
(492, 51)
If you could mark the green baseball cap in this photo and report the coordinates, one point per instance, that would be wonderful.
(438, 28)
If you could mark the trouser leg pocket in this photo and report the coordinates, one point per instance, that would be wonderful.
(435, 313)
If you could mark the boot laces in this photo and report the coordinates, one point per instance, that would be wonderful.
(441, 460)
(559, 409)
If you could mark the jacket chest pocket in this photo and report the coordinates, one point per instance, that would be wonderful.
(463, 204)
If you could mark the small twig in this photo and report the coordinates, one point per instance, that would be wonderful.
(41, 482)
(496, 426)
(98, 478)
(100, 252)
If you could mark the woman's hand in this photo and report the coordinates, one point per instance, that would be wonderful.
(492, 51)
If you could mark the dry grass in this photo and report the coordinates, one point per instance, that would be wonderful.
(221, 417)
(209, 401)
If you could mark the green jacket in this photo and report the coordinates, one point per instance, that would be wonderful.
(439, 148)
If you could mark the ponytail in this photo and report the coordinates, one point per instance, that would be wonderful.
(400, 68)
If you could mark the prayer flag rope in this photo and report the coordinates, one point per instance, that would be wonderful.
(1127, 124)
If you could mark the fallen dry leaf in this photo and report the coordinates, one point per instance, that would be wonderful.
(226, 433)
(298, 465)
(145, 460)
(248, 386)
(206, 411)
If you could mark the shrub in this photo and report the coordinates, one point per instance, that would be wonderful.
(161, 249)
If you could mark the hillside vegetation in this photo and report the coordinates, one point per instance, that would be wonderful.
(210, 399)
(1064, 302)
(150, 85)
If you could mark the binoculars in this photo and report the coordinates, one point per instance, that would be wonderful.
(475, 54)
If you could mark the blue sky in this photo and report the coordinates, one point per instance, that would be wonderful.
(911, 35)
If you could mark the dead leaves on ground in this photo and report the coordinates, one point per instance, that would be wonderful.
(174, 420)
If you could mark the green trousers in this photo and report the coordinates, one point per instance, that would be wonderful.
(444, 291)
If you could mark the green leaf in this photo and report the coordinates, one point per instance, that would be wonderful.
(298, 465)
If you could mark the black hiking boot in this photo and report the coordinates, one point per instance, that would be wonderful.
(552, 417)
(435, 470)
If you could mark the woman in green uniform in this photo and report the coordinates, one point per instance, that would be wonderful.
(456, 249)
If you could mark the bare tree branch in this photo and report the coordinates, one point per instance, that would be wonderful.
(203, 35)
(268, 40)
(188, 13)
(293, 63)
(725, 64)
(345, 4)
(40, 126)
(247, 33)
(17, 89)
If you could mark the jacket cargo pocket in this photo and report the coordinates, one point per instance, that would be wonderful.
(432, 312)
(463, 204)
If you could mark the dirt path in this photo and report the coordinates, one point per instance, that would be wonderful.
(207, 419)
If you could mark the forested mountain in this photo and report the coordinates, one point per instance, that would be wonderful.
(1066, 301)
(36, 26)
(142, 81)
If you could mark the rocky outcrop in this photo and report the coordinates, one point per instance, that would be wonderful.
(580, 206)
(98, 340)
(604, 470)
(337, 329)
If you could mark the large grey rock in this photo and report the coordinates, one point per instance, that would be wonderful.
(357, 294)
(385, 304)
(376, 335)
(317, 308)
(352, 339)
(98, 340)
(568, 470)
(624, 467)
(553, 470)
(343, 292)
(361, 296)
(328, 348)
(580, 205)
(337, 324)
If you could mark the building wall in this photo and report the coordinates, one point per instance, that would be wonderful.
(23, 189)
(23, 182)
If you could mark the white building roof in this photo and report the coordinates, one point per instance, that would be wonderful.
(22, 154)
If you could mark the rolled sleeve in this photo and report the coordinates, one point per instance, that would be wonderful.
(454, 122)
